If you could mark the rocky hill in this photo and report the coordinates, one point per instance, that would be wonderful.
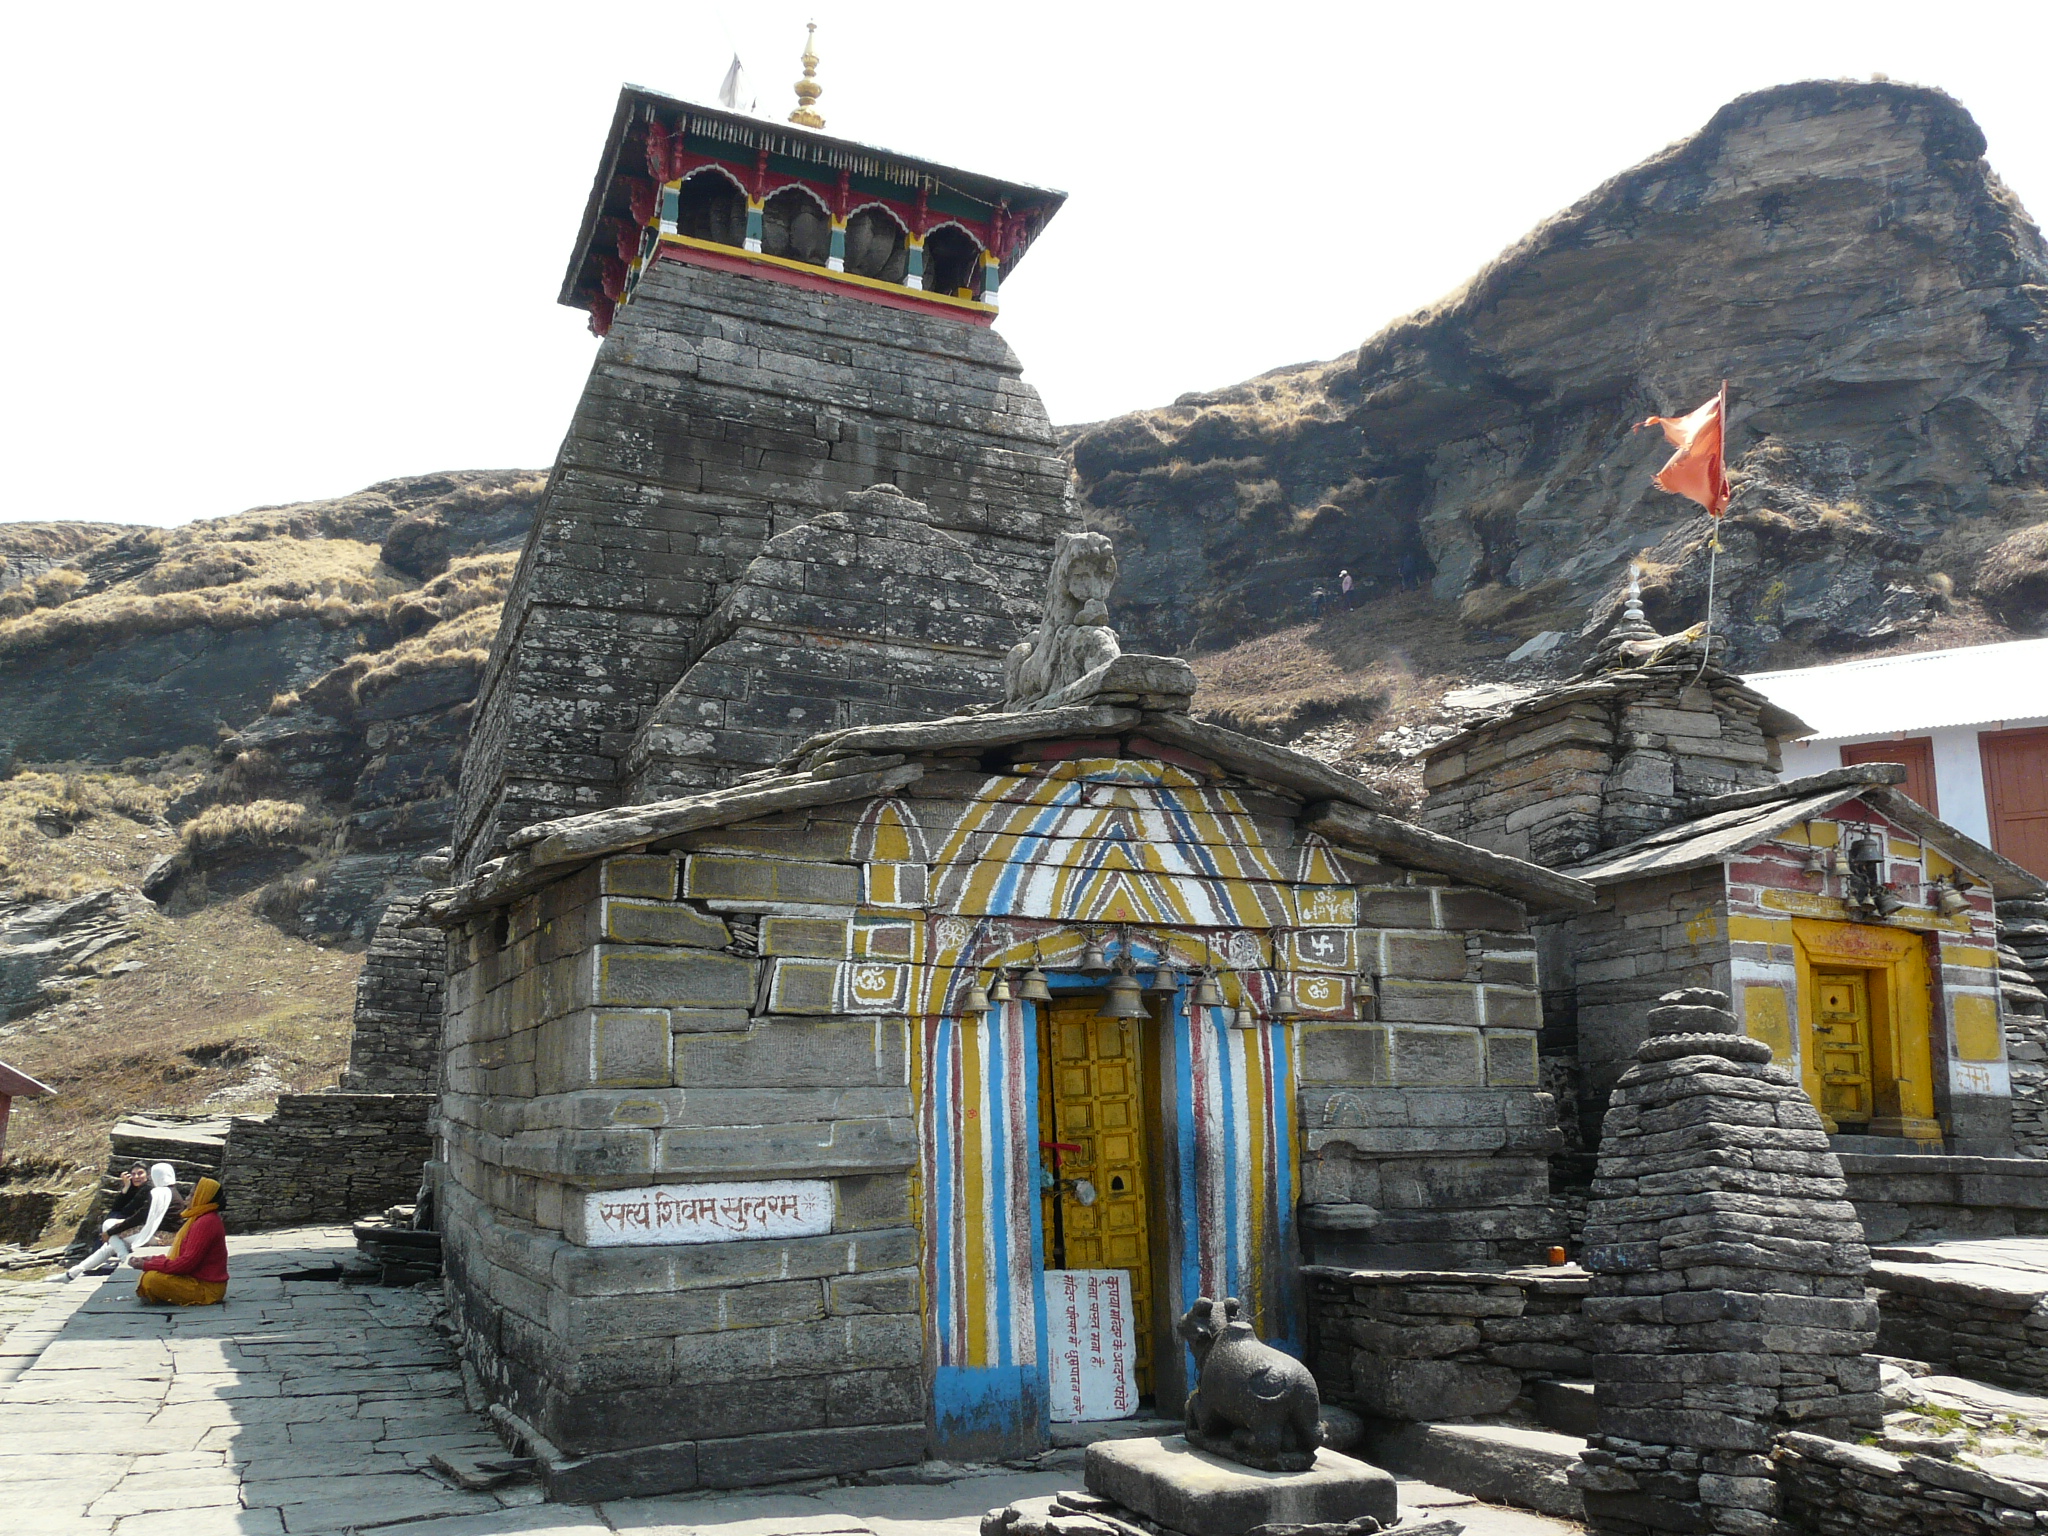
(1841, 253)
(319, 657)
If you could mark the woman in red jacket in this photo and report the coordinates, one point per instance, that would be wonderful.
(195, 1272)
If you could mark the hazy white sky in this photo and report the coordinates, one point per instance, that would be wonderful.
(259, 253)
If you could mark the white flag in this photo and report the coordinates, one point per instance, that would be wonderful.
(732, 92)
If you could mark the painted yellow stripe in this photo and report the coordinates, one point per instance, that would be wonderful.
(1760, 930)
(973, 1194)
(1969, 954)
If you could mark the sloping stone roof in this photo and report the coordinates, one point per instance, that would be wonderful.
(879, 760)
(1731, 823)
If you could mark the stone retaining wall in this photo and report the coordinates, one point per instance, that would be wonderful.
(326, 1157)
(1442, 1344)
(1834, 1489)
(1912, 1198)
(1976, 1321)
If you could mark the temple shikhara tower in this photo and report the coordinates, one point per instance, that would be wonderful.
(787, 318)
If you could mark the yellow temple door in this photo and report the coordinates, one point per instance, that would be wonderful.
(1842, 1030)
(1091, 1115)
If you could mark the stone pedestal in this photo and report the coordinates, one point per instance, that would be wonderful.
(1168, 1480)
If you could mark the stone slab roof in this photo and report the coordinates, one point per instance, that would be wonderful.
(879, 760)
(1731, 823)
(1772, 718)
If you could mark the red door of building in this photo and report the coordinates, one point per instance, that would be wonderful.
(2016, 785)
(1916, 752)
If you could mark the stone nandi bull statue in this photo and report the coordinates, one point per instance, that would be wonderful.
(1251, 1403)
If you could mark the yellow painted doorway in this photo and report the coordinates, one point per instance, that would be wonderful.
(1093, 1133)
(1867, 1017)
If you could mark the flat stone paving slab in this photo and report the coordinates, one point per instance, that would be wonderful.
(303, 1408)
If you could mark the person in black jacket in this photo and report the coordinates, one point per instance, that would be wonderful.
(131, 1220)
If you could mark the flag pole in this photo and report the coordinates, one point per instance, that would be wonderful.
(1714, 527)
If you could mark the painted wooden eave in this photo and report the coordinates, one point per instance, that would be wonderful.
(16, 1084)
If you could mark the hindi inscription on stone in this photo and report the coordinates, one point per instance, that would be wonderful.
(705, 1213)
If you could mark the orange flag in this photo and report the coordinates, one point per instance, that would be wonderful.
(1699, 469)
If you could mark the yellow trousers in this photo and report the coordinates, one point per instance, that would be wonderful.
(179, 1290)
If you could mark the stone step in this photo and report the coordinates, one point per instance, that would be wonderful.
(1565, 1407)
(1069, 1435)
(1523, 1467)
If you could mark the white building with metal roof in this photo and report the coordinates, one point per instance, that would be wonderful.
(1970, 725)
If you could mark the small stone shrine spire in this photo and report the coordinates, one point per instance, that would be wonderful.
(807, 89)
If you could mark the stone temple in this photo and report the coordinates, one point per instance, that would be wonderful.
(877, 1008)
(848, 949)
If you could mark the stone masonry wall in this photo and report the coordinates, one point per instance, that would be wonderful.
(326, 1157)
(723, 409)
(1597, 763)
(1423, 1345)
(571, 1019)
(1727, 1301)
(2023, 979)
(1832, 1489)
(395, 1046)
(1986, 1323)
(1602, 970)
(1425, 1131)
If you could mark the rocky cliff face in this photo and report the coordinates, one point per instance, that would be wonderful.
(1842, 254)
(325, 653)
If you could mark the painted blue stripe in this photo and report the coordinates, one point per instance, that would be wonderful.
(1231, 1129)
(1190, 1171)
(995, 1059)
(1004, 896)
(1034, 1207)
(941, 1089)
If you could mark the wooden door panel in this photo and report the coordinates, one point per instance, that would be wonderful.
(1916, 753)
(2016, 787)
(1093, 1105)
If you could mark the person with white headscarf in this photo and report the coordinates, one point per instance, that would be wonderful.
(120, 1242)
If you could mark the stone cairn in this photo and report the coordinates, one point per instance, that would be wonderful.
(1727, 1300)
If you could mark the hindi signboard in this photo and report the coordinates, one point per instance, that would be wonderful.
(1091, 1360)
(705, 1213)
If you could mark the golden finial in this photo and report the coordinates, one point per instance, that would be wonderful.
(807, 89)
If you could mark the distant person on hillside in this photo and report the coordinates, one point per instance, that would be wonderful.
(1411, 570)
(195, 1272)
(1316, 599)
(132, 1220)
(1344, 586)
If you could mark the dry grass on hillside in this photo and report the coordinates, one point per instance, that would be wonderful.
(225, 1011)
(1367, 667)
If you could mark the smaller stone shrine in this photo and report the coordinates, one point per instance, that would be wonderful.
(1855, 930)
(1727, 1300)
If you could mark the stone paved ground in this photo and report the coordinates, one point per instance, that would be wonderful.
(302, 1407)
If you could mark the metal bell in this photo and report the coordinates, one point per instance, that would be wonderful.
(1866, 850)
(1165, 980)
(1887, 901)
(1034, 988)
(1000, 991)
(1207, 993)
(1244, 1018)
(1126, 999)
(976, 1000)
(1951, 901)
(1092, 957)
